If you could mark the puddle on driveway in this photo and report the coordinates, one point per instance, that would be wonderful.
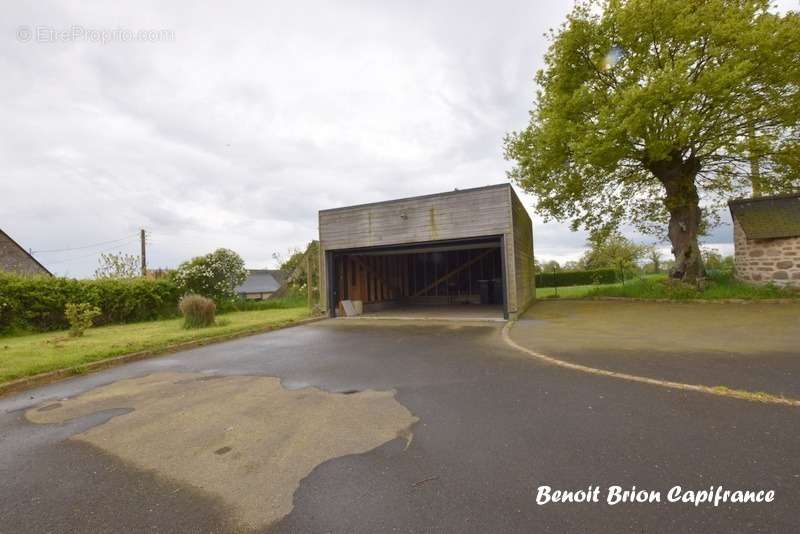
(245, 439)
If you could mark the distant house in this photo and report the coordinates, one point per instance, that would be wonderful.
(766, 234)
(260, 284)
(15, 259)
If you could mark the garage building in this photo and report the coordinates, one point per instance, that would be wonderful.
(463, 251)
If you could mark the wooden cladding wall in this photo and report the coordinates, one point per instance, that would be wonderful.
(371, 278)
(524, 273)
(456, 215)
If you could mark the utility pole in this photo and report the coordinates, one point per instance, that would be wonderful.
(142, 238)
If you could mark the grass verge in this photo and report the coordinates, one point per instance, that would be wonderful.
(586, 290)
(721, 286)
(29, 355)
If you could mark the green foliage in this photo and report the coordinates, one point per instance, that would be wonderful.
(550, 266)
(295, 265)
(577, 278)
(613, 251)
(297, 268)
(118, 266)
(80, 317)
(646, 106)
(214, 275)
(38, 302)
(198, 311)
(652, 253)
(293, 299)
(715, 261)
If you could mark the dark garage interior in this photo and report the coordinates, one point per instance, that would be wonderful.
(453, 274)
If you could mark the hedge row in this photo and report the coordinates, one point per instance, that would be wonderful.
(577, 278)
(37, 303)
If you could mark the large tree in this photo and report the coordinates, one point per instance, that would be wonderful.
(651, 112)
(118, 265)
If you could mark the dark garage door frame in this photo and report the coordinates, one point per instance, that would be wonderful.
(331, 255)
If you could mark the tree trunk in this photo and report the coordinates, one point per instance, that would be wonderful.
(683, 204)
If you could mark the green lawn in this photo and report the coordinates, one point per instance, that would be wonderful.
(584, 291)
(37, 353)
(566, 292)
(720, 286)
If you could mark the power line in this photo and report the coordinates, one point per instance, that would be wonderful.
(86, 246)
(91, 254)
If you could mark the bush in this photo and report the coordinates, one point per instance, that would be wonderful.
(214, 275)
(198, 311)
(37, 303)
(577, 278)
(80, 317)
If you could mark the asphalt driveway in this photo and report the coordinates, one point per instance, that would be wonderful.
(490, 427)
(751, 346)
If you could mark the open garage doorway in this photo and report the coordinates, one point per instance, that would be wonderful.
(457, 279)
(468, 251)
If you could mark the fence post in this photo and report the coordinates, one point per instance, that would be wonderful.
(308, 278)
(555, 279)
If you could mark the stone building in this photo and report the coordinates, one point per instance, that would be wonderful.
(766, 233)
(15, 259)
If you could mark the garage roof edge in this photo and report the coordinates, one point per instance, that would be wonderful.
(420, 197)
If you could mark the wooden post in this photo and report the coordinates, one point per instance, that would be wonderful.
(308, 276)
(372, 273)
(144, 251)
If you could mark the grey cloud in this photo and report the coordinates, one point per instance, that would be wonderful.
(236, 133)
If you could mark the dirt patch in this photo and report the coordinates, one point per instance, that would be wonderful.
(245, 439)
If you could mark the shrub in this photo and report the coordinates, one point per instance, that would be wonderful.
(198, 311)
(577, 278)
(214, 275)
(37, 303)
(80, 317)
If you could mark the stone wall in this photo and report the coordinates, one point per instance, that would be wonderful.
(14, 259)
(763, 261)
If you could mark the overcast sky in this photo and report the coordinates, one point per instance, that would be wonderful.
(241, 121)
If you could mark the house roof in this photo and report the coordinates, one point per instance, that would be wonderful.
(261, 281)
(34, 260)
(768, 217)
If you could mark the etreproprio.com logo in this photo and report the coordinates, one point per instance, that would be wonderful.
(82, 34)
